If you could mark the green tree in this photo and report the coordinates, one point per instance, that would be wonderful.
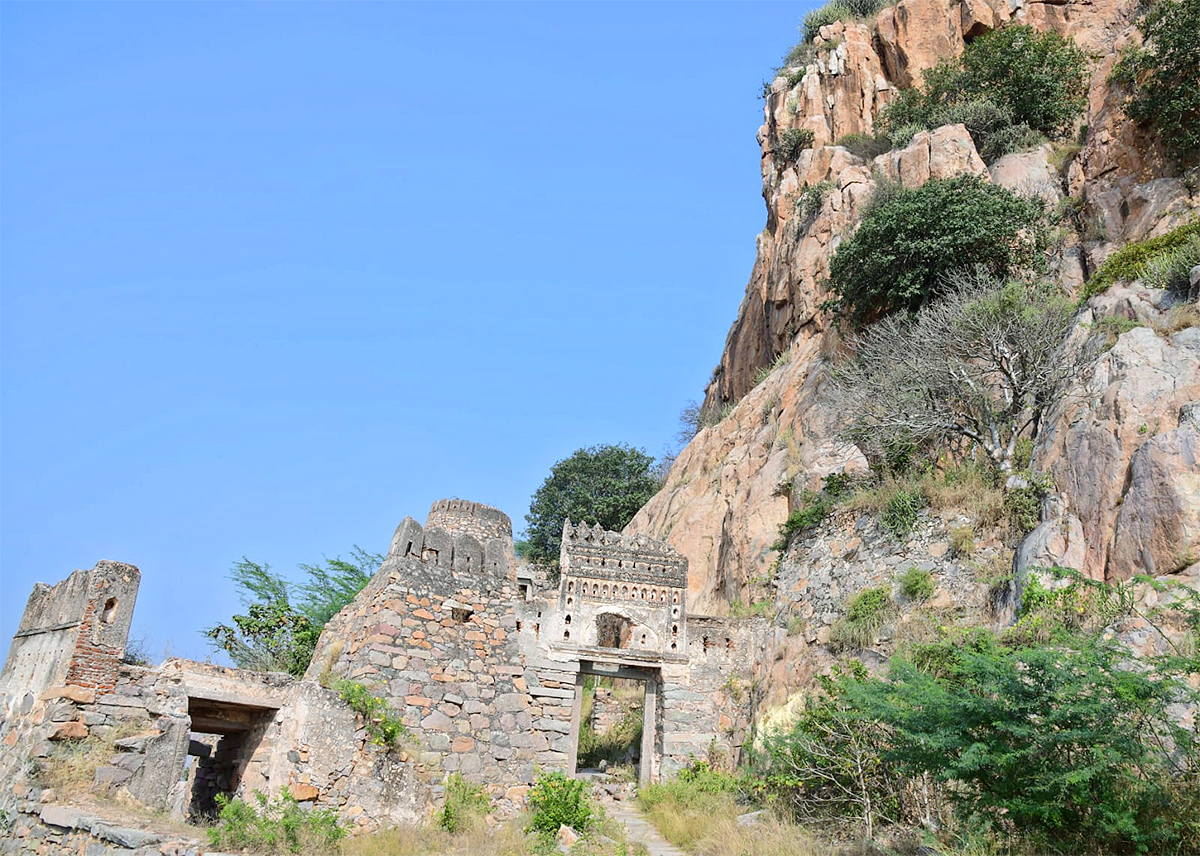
(1163, 75)
(597, 484)
(283, 620)
(909, 241)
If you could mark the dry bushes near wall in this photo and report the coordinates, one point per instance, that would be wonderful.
(70, 769)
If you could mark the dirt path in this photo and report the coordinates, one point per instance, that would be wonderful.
(637, 829)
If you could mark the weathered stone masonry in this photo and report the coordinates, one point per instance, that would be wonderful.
(484, 664)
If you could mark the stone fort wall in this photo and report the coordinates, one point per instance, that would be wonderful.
(484, 671)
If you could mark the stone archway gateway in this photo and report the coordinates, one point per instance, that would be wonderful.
(651, 678)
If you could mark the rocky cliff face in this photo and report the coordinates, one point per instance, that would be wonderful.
(1127, 432)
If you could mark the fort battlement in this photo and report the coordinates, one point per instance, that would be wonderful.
(472, 518)
(596, 553)
(459, 535)
(485, 670)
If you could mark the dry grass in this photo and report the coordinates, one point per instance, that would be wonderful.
(506, 839)
(707, 825)
(769, 837)
(968, 489)
(71, 768)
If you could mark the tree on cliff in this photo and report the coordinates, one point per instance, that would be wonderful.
(982, 363)
(275, 635)
(598, 484)
(909, 241)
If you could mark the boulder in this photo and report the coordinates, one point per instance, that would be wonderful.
(1136, 396)
(941, 153)
(1029, 174)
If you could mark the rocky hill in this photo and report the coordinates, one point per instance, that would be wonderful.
(1120, 449)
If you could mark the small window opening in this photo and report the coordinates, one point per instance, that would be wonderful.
(567, 620)
(566, 634)
(110, 611)
(461, 615)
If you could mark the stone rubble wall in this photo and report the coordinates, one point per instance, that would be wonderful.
(48, 829)
(477, 666)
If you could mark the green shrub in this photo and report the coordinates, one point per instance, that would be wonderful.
(557, 800)
(916, 585)
(1023, 504)
(465, 804)
(828, 765)
(384, 727)
(866, 613)
(809, 203)
(900, 515)
(909, 241)
(1011, 88)
(1162, 76)
(839, 10)
(813, 510)
(1132, 260)
(791, 142)
(1062, 745)
(274, 826)
(962, 540)
(865, 146)
(1171, 271)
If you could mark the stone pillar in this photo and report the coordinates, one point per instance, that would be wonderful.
(576, 716)
(649, 732)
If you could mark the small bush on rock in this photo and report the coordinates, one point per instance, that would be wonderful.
(465, 804)
(557, 800)
(791, 142)
(866, 613)
(916, 585)
(865, 146)
(839, 10)
(909, 241)
(900, 515)
(384, 727)
(1132, 260)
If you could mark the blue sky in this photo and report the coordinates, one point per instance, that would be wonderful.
(273, 276)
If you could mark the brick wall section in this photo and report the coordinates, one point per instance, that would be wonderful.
(94, 664)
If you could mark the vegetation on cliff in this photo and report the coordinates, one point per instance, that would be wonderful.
(1162, 75)
(910, 241)
(1165, 260)
(981, 365)
(1010, 87)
